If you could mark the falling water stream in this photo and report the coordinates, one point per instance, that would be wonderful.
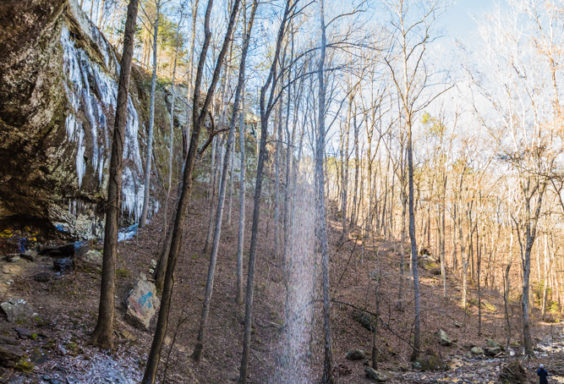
(293, 365)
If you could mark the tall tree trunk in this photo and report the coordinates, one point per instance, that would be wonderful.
(222, 186)
(103, 333)
(101, 13)
(242, 190)
(443, 236)
(417, 299)
(265, 109)
(198, 117)
(277, 150)
(230, 192)
(327, 377)
(506, 288)
(290, 138)
(530, 235)
(147, 189)
(345, 172)
(354, 210)
(478, 270)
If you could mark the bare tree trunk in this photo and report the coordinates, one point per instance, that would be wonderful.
(216, 172)
(417, 299)
(198, 116)
(265, 109)
(530, 234)
(277, 150)
(222, 186)
(290, 138)
(92, 10)
(403, 236)
(506, 288)
(103, 333)
(147, 189)
(478, 268)
(241, 233)
(354, 211)
(101, 13)
(327, 377)
(443, 236)
(345, 172)
(230, 193)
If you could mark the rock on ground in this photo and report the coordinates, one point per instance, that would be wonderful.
(142, 303)
(17, 310)
(355, 354)
(375, 375)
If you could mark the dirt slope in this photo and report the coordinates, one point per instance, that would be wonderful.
(57, 341)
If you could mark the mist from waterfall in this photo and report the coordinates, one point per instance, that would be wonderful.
(293, 366)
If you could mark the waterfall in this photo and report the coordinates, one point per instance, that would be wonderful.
(92, 97)
(294, 361)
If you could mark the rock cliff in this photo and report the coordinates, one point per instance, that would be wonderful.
(58, 88)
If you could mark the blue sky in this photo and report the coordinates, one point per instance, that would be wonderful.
(458, 22)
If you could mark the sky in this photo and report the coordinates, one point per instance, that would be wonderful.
(459, 20)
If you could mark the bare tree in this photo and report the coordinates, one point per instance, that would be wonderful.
(267, 102)
(222, 186)
(103, 334)
(321, 229)
(411, 78)
(198, 118)
(147, 189)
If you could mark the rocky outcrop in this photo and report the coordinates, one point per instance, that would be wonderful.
(58, 87)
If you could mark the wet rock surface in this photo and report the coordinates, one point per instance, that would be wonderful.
(59, 87)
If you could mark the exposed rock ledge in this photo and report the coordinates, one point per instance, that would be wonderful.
(58, 87)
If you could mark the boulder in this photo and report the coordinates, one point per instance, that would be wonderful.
(63, 265)
(17, 310)
(94, 257)
(444, 340)
(375, 375)
(355, 354)
(367, 320)
(431, 361)
(42, 277)
(477, 351)
(142, 303)
(494, 344)
(493, 348)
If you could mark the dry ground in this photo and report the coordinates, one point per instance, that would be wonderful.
(67, 307)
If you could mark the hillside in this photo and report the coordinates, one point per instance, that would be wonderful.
(56, 340)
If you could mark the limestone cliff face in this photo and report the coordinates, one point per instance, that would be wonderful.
(58, 89)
